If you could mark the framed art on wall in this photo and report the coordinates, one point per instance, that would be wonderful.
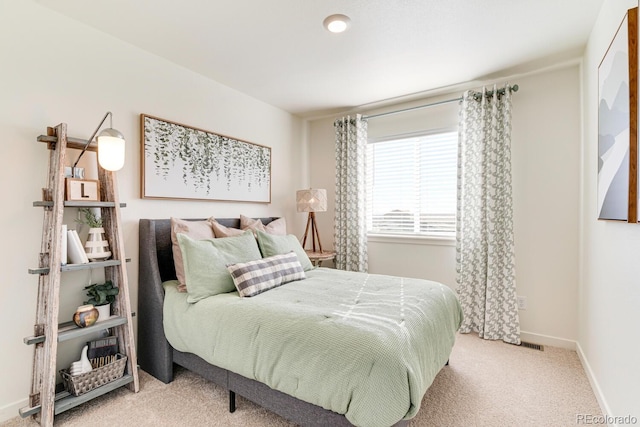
(618, 124)
(183, 162)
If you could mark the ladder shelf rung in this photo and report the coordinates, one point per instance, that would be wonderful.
(65, 400)
(72, 142)
(76, 267)
(78, 204)
(69, 330)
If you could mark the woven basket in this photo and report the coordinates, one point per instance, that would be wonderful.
(80, 384)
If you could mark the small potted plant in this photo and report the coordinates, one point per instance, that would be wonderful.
(101, 296)
(90, 218)
(96, 247)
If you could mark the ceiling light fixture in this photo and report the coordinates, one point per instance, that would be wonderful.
(337, 23)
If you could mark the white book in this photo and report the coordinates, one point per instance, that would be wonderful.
(63, 245)
(76, 252)
(83, 252)
(75, 257)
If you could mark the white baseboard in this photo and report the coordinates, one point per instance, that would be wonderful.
(11, 410)
(602, 402)
(547, 340)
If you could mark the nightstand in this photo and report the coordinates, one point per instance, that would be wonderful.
(317, 257)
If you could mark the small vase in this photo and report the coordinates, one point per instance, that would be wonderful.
(104, 312)
(85, 315)
(97, 247)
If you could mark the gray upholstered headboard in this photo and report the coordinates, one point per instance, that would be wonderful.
(156, 266)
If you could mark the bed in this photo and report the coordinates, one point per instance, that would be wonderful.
(379, 380)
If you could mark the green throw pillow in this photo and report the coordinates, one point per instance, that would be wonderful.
(272, 244)
(205, 262)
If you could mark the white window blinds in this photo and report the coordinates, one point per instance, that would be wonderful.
(411, 185)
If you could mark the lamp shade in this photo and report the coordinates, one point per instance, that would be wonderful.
(311, 200)
(111, 147)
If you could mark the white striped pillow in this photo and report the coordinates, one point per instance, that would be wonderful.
(254, 277)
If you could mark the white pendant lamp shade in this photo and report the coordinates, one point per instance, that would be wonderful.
(111, 147)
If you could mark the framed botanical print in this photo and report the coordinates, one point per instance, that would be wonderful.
(184, 162)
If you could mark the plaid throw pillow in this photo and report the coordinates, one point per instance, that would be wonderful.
(254, 277)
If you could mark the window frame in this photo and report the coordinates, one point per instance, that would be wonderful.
(409, 238)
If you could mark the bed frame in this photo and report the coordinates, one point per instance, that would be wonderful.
(157, 357)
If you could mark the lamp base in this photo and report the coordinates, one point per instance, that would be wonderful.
(311, 224)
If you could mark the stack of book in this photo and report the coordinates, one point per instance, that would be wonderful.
(102, 351)
(75, 253)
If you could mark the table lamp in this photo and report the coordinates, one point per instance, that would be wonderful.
(312, 200)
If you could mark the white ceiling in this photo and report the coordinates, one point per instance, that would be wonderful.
(278, 51)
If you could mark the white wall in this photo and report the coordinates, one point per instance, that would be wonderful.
(609, 300)
(546, 143)
(58, 70)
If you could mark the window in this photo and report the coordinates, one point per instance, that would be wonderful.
(411, 185)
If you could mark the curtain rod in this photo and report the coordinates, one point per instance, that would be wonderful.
(513, 88)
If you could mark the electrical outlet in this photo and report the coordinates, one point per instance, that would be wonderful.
(522, 303)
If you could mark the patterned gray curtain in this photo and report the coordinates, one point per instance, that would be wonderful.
(350, 229)
(485, 257)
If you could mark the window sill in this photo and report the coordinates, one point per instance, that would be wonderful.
(411, 239)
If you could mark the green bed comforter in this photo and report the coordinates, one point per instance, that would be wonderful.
(363, 345)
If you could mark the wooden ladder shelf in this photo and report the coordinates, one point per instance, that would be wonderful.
(44, 403)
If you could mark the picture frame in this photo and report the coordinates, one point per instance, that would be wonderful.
(185, 162)
(617, 192)
(86, 190)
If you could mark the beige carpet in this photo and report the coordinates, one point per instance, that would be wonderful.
(488, 383)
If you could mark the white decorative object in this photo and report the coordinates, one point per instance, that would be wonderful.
(97, 247)
(104, 312)
(81, 366)
(83, 190)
